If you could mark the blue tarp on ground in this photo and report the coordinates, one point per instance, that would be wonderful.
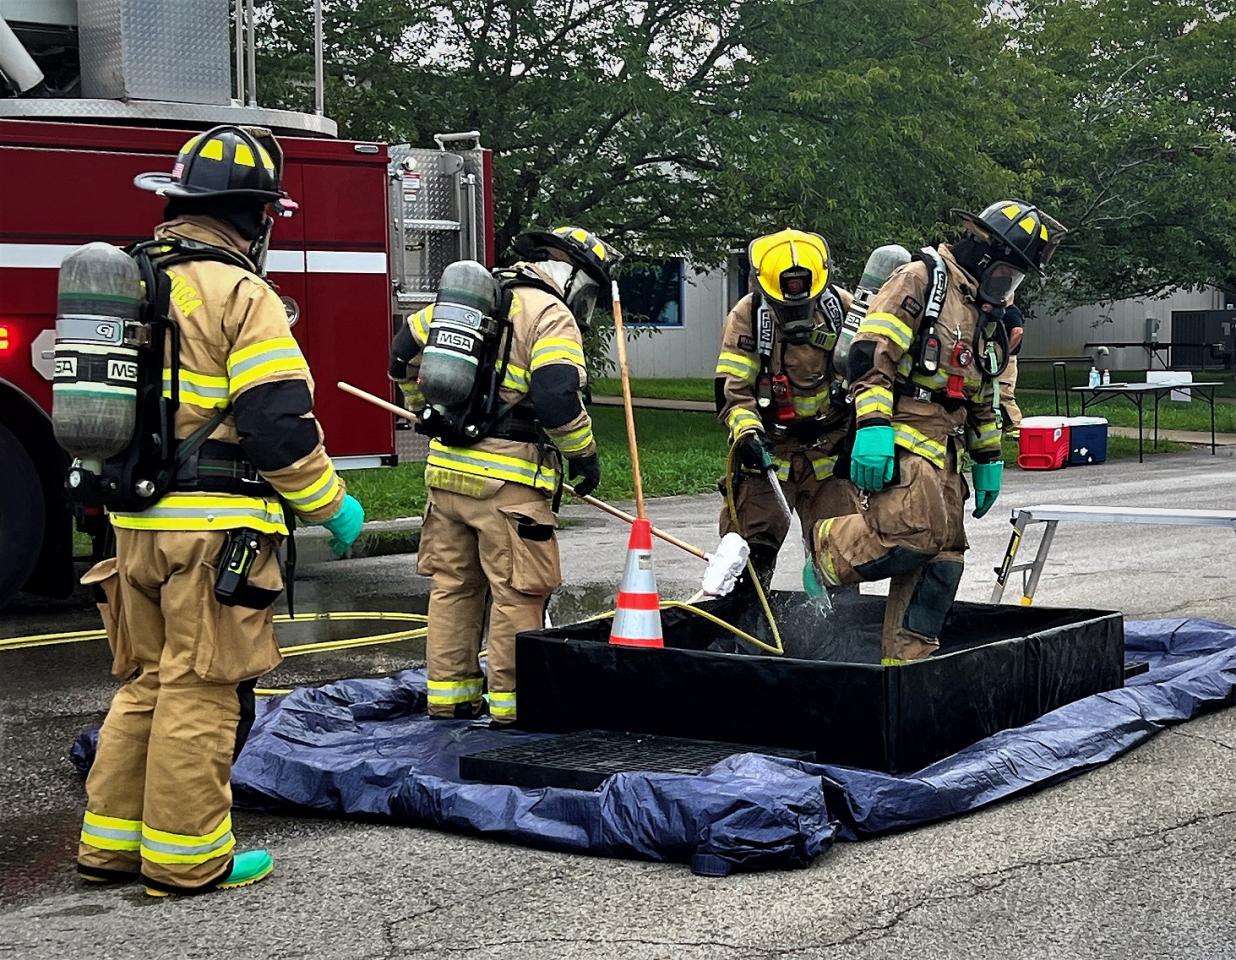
(365, 748)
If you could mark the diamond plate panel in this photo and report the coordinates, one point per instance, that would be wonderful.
(154, 50)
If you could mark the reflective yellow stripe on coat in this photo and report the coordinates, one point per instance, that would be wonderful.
(265, 359)
(549, 350)
(481, 463)
(919, 443)
(730, 364)
(889, 327)
(206, 511)
(199, 389)
(315, 496)
(740, 420)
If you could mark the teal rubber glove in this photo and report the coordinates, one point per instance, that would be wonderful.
(345, 525)
(987, 478)
(871, 460)
(813, 587)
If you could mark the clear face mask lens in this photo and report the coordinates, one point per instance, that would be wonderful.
(999, 282)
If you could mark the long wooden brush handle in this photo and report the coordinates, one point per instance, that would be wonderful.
(623, 515)
(628, 408)
(591, 501)
(377, 401)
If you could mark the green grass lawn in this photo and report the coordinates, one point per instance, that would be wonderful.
(669, 388)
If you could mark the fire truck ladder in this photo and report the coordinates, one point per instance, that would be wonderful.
(1052, 514)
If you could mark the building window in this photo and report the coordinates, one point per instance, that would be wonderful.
(652, 294)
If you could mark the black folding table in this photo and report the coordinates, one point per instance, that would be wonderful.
(1136, 394)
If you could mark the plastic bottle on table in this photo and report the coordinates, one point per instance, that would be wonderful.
(1107, 377)
(1095, 380)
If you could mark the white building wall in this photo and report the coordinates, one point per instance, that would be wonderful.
(691, 349)
(1066, 334)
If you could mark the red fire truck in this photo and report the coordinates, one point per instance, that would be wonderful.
(375, 228)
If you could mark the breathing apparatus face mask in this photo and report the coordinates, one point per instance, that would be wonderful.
(581, 299)
(999, 282)
(795, 311)
(261, 246)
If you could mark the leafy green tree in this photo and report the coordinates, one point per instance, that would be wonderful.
(684, 127)
(1132, 147)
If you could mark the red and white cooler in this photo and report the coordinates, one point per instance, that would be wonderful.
(1044, 443)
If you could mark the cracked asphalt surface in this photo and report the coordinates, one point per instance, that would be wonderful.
(1132, 860)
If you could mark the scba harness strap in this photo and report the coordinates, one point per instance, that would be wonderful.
(778, 387)
(987, 334)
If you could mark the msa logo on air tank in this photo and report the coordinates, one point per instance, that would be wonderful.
(122, 370)
(457, 341)
(65, 367)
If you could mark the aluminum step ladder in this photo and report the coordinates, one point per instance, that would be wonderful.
(1052, 514)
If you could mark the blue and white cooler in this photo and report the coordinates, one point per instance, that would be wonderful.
(1087, 440)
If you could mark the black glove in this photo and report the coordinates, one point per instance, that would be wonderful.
(753, 451)
(589, 468)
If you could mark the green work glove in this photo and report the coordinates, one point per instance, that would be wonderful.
(345, 526)
(986, 485)
(871, 461)
(813, 586)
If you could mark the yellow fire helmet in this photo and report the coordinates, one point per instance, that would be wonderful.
(791, 268)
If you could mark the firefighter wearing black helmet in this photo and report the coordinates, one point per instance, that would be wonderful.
(189, 644)
(922, 369)
(489, 523)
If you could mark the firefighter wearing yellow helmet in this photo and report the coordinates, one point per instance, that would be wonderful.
(775, 394)
(922, 369)
(499, 451)
(196, 572)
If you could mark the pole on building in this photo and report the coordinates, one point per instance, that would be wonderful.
(251, 28)
(319, 79)
(240, 51)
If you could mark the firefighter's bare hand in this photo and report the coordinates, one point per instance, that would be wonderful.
(588, 470)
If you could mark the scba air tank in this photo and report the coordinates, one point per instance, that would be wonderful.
(459, 334)
(880, 266)
(94, 393)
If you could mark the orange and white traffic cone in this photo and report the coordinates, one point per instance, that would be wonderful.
(637, 620)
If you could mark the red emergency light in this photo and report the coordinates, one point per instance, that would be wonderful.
(6, 342)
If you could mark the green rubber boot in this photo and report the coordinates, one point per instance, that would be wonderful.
(247, 869)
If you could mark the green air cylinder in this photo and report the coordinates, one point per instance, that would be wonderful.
(94, 393)
(880, 266)
(459, 330)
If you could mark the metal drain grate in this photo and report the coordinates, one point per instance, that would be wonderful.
(583, 761)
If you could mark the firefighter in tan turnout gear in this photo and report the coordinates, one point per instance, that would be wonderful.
(494, 468)
(188, 643)
(775, 393)
(922, 369)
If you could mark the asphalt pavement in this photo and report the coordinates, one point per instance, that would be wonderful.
(1129, 861)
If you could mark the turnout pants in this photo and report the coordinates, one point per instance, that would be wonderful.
(763, 524)
(503, 543)
(912, 532)
(159, 795)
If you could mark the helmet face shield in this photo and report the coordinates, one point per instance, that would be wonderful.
(1000, 281)
(582, 299)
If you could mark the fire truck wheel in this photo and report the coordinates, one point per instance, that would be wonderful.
(21, 516)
